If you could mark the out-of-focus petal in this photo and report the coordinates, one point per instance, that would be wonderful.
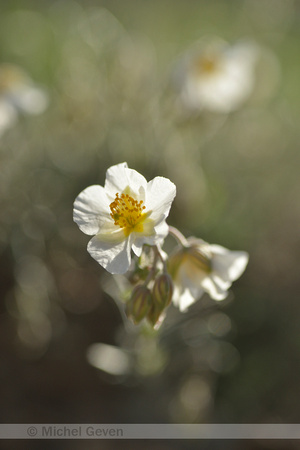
(8, 116)
(218, 77)
(109, 358)
(213, 289)
(218, 269)
(30, 99)
(229, 265)
(184, 300)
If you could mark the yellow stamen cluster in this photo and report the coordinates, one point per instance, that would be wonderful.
(206, 65)
(127, 213)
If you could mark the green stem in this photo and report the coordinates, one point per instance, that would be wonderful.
(178, 236)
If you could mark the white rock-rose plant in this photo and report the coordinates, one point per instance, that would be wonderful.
(128, 215)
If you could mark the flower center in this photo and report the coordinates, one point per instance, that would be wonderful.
(9, 77)
(127, 213)
(206, 65)
(193, 260)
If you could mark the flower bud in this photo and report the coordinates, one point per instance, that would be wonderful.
(139, 303)
(154, 314)
(162, 290)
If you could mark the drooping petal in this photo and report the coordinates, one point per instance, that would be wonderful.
(91, 209)
(238, 265)
(112, 252)
(189, 285)
(183, 300)
(223, 284)
(160, 193)
(119, 177)
(213, 289)
(228, 265)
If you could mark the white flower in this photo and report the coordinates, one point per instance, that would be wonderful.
(125, 214)
(18, 94)
(217, 77)
(8, 115)
(202, 267)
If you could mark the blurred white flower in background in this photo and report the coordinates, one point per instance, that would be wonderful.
(8, 115)
(18, 93)
(201, 267)
(126, 213)
(215, 76)
(109, 358)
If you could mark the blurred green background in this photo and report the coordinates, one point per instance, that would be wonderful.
(106, 67)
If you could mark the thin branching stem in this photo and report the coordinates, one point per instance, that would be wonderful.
(178, 236)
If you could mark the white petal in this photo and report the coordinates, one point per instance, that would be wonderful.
(162, 231)
(228, 265)
(244, 54)
(216, 292)
(91, 209)
(218, 249)
(119, 177)
(163, 254)
(160, 193)
(30, 99)
(176, 294)
(157, 238)
(137, 247)
(191, 279)
(109, 358)
(185, 300)
(148, 228)
(238, 265)
(111, 252)
(8, 115)
(223, 284)
(225, 88)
